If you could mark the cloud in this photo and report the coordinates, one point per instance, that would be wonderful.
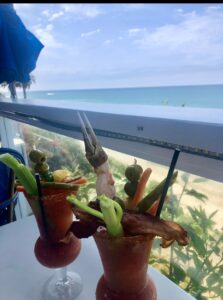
(90, 33)
(56, 15)
(24, 11)
(179, 10)
(179, 48)
(45, 34)
(108, 42)
(52, 16)
(136, 31)
(45, 13)
(21, 6)
(213, 8)
(35, 27)
(82, 10)
(196, 39)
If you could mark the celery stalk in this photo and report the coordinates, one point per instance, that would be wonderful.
(22, 172)
(72, 199)
(9, 160)
(112, 213)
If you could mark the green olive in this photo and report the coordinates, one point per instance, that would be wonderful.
(42, 168)
(130, 188)
(47, 177)
(37, 156)
(133, 172)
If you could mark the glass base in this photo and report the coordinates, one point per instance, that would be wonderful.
(67, 288)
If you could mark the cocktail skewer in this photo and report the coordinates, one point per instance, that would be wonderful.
(98, 158)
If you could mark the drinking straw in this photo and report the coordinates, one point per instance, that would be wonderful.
(167, 182)
(40, 199)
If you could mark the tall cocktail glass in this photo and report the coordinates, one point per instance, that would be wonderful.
(56, 247)
(125, 264)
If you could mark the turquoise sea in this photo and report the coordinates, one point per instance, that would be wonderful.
(190, 96)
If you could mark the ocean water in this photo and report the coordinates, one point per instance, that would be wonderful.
(210, 96)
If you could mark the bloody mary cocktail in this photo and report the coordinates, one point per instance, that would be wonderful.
(57, 246)
(57, 255)
(129, 226)
(125, 264)
(58, 214)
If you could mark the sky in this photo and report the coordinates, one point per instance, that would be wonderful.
(125, 45)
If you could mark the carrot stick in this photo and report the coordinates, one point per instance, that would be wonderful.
(140, 188)
(81, 180)
(153, 208)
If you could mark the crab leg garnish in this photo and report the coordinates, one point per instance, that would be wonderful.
(98, 158)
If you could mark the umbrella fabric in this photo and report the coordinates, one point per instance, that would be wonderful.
(19, 48)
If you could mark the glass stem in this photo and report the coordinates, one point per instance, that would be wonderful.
(62, 273)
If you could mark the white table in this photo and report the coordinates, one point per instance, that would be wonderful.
(22, 277)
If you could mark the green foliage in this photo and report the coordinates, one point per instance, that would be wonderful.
(197, 195)
(196, 267)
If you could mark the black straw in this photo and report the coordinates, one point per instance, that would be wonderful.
(167, 182)
(40, 198)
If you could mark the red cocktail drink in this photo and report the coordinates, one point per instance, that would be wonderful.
(58, 214)
(57, 255)
(125, 264)
(56, 246)
(125, 244)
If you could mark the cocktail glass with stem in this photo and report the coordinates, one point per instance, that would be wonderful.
(56, 247)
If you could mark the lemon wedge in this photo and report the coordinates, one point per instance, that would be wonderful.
(60, 175)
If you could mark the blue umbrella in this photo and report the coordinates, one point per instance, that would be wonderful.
(19, 49)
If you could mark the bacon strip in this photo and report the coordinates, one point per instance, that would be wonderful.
(144, 223)
(133, 224)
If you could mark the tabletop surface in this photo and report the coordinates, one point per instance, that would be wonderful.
(22, 277)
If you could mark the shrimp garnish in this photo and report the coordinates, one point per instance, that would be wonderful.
(98, 158)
